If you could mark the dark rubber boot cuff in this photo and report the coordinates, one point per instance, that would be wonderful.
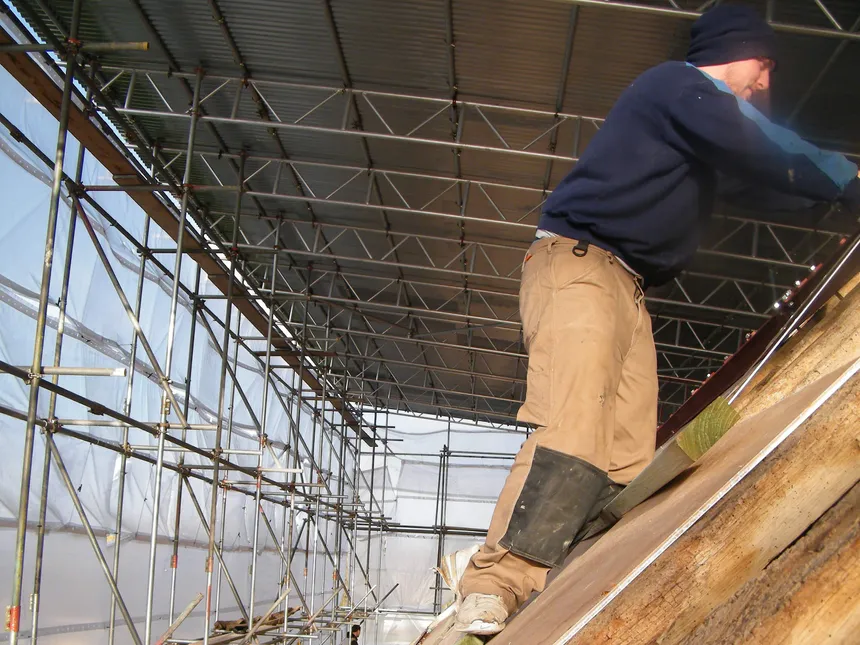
(598, 521)
(557, 498)
(609, 492)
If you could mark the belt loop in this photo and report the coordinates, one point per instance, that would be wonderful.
(640, 291)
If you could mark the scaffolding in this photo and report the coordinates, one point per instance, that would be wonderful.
(315, 478)
(316, 296)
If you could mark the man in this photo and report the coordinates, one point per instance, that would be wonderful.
(354, 633)
(629, 215)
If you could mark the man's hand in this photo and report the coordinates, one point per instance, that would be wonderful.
(851, 196)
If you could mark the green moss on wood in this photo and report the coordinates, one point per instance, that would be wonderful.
(704, 431)
(470, 639)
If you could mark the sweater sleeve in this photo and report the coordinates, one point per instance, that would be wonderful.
(731, 135)
(733, 190)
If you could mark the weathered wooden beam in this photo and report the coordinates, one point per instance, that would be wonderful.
(737, 539)
(668, 564)
(812, 352)
(809, 594)
(180, 619)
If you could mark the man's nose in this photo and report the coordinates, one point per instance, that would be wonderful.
(763, 82)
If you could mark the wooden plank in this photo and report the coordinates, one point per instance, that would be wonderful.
(669, 462)
(445, 634)
(814, 351)
(236, 630)
(675, 456)
(809, 594)
(180, 619)
(231, 637)
(656, 558)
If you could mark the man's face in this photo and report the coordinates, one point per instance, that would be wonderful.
(746, 77)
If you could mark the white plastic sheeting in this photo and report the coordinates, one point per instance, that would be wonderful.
(99, 334)
(473, 485)
(102, 337)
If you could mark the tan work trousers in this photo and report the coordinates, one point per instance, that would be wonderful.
(591, 390)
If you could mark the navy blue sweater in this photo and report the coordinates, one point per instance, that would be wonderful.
(647, 182)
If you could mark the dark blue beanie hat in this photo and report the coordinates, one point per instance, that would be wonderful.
(730, 33)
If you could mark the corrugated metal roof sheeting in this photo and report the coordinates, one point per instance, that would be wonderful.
(100, 22)
(285, 105)
(399, 46)
(808, 13)
(422, 119)
(830, 116)
(340, 184)
(190, 33)
(827, 116)
(508, 50)
(436, 195)
(514, 130)
(409, 156)
(296, 105)
(304, 145)
(610, 49)
(288, 39)
(526, 171)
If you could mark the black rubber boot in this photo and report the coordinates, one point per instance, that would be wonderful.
(558, 497)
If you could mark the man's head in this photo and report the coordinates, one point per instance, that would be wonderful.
(744, 77)
(733, 43)
(356, 630)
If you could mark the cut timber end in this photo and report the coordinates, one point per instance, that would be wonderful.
(707, 428)
(675, 456)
